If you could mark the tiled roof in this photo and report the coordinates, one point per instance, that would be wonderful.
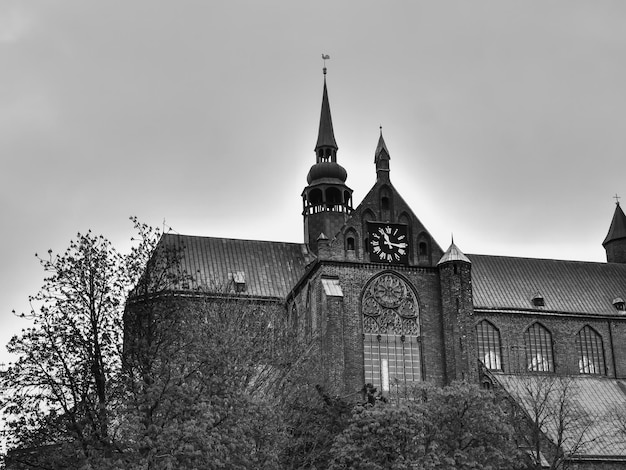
(270, 269)
(593, 412)
(567, 286)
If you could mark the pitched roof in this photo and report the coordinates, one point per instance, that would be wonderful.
(506, 283)
(617, 229)
(593, 409)
(270, 269)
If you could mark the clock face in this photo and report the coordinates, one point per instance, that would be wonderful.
(388, 243)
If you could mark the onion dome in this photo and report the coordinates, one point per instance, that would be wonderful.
(324, 170)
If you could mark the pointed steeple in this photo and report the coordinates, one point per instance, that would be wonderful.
(615, 241)
(326, 147)
(617, 229)
(381, 158)
(326, 200)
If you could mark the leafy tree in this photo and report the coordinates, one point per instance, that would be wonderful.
(208, 375)
(169, 379)
(459, 426)
(203, 382)
(63, 389)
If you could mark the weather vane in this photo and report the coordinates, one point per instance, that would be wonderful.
(617, 198)
(325, 57)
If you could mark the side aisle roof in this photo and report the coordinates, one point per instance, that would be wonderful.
(508, 283)
(261, 268)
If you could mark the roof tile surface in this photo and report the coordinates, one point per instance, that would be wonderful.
(507, 283)
(270, 269)
(593, 409)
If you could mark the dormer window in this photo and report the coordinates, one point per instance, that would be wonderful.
(619, 304)
(537, 300)
(239, 281)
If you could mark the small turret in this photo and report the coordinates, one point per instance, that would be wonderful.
(615, 241)
(381, 159)
(455, 275)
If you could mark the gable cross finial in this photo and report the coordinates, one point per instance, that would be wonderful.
(325, 57)
(617, 198)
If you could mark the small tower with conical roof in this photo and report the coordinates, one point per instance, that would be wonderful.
(615, 241)
(455, 275)
(327, 201)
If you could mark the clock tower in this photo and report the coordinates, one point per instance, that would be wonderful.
(326, 201)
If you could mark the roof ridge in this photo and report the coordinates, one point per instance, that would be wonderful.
(470, 255)
(233, 239)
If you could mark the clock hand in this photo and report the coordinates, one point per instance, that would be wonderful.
(387, 241)
(398, 245)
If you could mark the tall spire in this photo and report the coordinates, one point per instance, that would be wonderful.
(381, 158)
(326, 200)
(326, 147)
(615, 241)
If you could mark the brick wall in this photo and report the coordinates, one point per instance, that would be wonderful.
(564, 330)
(340, 321)
(457, 311)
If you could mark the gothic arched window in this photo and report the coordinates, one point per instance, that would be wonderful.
(590, 351)
(391, 333)
(538, 345)
(489, 349)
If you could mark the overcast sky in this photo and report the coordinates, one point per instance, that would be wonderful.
(505, 120)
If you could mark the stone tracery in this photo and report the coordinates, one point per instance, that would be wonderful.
(390, 306)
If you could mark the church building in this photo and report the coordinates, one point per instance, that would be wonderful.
(388, 305)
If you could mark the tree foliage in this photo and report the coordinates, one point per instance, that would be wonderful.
(459, 426)
(206, 378)
(63, 390)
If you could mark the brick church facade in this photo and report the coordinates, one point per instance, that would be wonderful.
(386, 305)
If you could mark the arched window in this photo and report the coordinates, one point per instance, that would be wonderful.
(590, 351)
(391, 333)
(489, 349)
(538, 345)
(350, 240)
(386, 202)
(423, 249)
(333, 199)
(350, 244)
